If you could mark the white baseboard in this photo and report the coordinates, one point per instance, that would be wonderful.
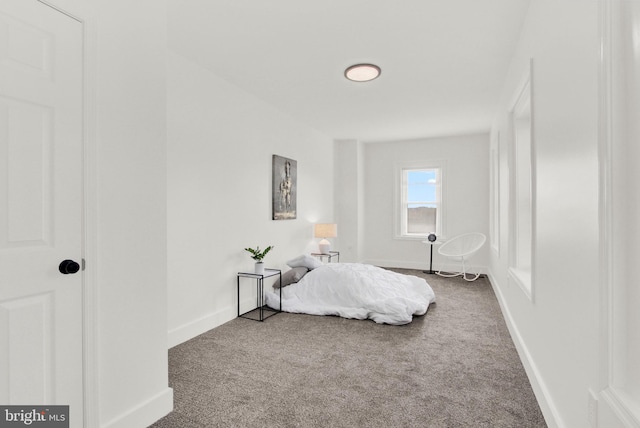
(446, 267)
(145, 413)
(196, 327)
(549, 410)
(397, 264)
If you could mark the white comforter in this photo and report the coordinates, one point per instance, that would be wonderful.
(354, 290)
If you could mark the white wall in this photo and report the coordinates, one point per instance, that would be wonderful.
(131, 180)
(467, 194)
(220, 146)
(349, 199)
(126, 218)
(557, 332)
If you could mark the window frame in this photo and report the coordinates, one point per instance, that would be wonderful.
(401, 202)
(494, 195)
(521, 269)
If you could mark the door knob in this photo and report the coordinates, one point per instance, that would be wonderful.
(68, 266)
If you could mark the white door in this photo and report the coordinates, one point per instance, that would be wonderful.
(40, 207)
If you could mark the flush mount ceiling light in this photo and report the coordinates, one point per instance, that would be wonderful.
(362, 72)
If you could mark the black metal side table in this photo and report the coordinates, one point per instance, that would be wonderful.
(330, 255)
(261, 312)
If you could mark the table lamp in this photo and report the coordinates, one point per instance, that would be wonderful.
(324, 231)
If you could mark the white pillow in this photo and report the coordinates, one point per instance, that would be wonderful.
(305, 260)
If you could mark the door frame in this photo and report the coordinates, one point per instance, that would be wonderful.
(90, 331)
(612, 407)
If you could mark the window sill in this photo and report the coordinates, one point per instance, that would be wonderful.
(522, 277)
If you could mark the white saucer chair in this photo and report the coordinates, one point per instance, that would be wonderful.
(460, 248)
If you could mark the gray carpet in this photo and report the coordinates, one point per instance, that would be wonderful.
(454, 367)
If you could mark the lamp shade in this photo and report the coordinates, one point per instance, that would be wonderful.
(325, 230)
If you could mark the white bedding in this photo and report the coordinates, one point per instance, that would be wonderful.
(354, 290)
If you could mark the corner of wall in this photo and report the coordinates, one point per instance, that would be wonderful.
(145, 413)
(201, 325)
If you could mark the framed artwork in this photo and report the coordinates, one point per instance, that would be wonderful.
(284, 188)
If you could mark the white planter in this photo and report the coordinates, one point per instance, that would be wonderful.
(259, 268)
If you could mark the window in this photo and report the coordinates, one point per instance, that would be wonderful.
(522, 192)
(420, 207)
(494, 196)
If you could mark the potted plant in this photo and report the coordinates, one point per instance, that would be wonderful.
(258, 255)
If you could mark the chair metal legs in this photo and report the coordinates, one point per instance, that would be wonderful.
(467, 276)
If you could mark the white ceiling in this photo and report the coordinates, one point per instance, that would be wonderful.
(443, 61)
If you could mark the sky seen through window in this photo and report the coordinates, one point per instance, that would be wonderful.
(421, 187)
